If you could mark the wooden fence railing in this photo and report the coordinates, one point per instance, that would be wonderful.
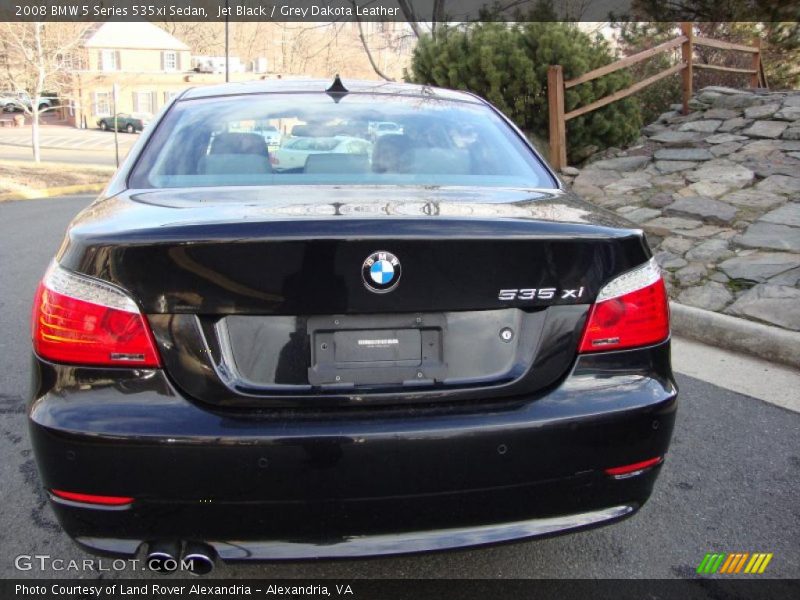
(556, 86)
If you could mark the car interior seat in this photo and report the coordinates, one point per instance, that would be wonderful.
(343, 163)
(392, 154)
(236, 152)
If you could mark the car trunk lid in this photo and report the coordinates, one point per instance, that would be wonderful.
(268, 297)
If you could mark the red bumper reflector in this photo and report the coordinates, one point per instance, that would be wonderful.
(639, 466)
(93, 498)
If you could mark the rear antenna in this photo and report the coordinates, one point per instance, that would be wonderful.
(337, 89)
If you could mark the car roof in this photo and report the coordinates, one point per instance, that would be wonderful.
(304, 85)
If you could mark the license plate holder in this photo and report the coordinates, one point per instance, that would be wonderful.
(374, 347)
(348, 350)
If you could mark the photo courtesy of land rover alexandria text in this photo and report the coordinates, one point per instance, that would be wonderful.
(316, 320)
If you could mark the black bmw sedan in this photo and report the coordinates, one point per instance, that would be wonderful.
(398, 343)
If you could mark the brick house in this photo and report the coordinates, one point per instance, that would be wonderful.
(148, 65)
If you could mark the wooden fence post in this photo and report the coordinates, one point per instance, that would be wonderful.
(687, 53)
(755, 79)
(555, 107)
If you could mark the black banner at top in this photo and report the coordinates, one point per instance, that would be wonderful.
(399, 10)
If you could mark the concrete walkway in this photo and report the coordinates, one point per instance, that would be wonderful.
(760, 379)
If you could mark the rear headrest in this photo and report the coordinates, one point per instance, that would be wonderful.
(392, 154)
(239, 143)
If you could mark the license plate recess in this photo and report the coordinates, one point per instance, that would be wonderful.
(349, 350)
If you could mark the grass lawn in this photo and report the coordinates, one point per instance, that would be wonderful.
(22, 179)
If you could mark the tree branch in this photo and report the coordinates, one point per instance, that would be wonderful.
(364, 43)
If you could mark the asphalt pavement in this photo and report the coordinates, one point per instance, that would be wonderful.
(731, 481)
(66, 157)
(66, 145)
(68, 138)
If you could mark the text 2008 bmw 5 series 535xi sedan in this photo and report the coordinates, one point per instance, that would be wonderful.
(410, 342)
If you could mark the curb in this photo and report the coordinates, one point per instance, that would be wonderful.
(731, 333)
(64, 190)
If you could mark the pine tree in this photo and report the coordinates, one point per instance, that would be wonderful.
(507, 64)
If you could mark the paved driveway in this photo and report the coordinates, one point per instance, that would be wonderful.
(731, 482)
(66, 145)
(67, 138)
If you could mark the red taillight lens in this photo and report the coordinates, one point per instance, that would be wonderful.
(93, 498)
(78, 320)
(632, 310)
(634, 468)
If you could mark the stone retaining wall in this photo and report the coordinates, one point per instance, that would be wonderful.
(718, 193)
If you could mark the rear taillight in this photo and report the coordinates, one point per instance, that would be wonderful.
(80, 320)
(631, 310)
(92, 498)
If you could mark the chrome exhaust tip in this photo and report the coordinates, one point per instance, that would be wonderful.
(198, 559)
(162, 557)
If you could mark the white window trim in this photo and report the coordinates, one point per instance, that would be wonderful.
(150, 100)
(108, 56)
(96, 104)
(173, 55)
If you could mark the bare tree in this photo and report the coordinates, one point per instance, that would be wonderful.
(410, 15)
(367, 50)
(37, 59)
(392, 39)
(201, 36)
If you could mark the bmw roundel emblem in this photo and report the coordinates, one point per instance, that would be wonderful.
(381, 272)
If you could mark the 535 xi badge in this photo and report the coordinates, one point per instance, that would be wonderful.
(548, 293)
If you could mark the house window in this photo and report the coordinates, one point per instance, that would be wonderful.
(143, 102)
(65, 61)
(71, 61)
(109, 60)
(169, 96)
(79, 61)
(170, 61)
(102, 104)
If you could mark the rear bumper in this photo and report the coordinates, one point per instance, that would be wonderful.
(384, 544)
(277, 485)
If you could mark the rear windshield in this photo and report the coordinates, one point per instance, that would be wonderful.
(315, 139)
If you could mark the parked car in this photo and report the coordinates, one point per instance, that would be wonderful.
(438, 347)
(125, 122)
(271, 135)
(384, 128)
(16, 101)
(295, 152)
